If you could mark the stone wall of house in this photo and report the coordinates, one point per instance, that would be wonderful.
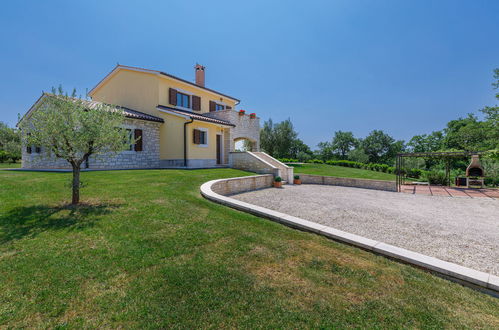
(232, 186)
(349, 182)
(246, 127)
(147, 158)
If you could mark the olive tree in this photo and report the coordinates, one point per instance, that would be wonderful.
(74, 129)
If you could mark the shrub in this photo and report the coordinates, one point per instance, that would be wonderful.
(287, 160)
(315, 161)
(4, 156)
(278, 179)
(436, 177)
(414, 173)
(297, 177)
(491, 182)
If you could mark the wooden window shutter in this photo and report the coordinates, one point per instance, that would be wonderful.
(173, 96)
(38, 149)
(196, 103)
(28, 150)
(213, 106)
(196, 136)
(228, 107)
(138, 139)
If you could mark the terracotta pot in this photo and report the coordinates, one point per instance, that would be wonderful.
(277, 184)
(297, 181)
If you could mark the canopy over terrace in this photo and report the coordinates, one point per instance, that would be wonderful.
(447, 155)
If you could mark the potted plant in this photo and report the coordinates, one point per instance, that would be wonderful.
(297, 180)
(278, 182)
(252, 115)
(242, 112)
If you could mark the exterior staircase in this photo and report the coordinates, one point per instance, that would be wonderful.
(260, 162)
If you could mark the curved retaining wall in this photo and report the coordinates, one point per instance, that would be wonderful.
(216, 189)
(349, 182)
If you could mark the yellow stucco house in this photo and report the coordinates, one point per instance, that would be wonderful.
(180, 123)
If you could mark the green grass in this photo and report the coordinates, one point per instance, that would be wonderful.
(147, 251)
(342, 172)
(10, 165)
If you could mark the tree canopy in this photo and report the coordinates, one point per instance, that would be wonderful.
(65, 127)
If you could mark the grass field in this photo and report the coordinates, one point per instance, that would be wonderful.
(10, 165)
(147, 251)
(340, 171)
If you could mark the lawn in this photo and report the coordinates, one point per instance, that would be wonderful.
(147, 251)
(342, 172)
(10, 165)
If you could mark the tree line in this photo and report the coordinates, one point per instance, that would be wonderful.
(471, 133)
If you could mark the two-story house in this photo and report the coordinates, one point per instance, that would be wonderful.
(177, 123)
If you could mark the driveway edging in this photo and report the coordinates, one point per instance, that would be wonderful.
(464, 275)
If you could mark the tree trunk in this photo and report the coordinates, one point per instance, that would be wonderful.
(76, 185)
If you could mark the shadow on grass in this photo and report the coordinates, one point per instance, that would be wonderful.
(29, 221)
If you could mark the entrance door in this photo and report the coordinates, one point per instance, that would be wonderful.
(219, 149)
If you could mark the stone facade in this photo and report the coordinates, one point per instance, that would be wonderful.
(147, 158)
(349, 182)
(246, 128)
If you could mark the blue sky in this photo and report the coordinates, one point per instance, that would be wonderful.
(406, 67)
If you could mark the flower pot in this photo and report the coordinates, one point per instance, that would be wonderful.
(297, 181)
(241, 113)
(277, 184)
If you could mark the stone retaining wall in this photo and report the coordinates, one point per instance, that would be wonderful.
(248, 161)
(349, 182)
(246, 183)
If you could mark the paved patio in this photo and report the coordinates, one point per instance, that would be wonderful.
(450, 191)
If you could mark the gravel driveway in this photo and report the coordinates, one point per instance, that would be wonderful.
(456, 229)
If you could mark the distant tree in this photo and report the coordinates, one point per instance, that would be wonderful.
(495, 84)
(325, 151)
(65, 127)
(281, 140)
(380, 147)
(342, 143)
(358, 155)
(426, 142)
(285, 137)
(10, 143)
(300, 150)
(267, 137)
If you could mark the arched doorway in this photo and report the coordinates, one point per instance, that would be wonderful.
(244, 144)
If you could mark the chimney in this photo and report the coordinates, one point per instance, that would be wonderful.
(199, 74)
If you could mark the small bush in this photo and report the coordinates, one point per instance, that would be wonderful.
(491, 182)
(278, 179)
(436, 177)
(297, 177)
(315, 161)
(414, 173)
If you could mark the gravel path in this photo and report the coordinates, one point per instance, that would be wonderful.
(456, 229)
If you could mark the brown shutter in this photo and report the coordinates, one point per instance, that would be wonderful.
(213, 106)
(138, 140)
(196, 136)
(28, 150)
(228, 108)
(196, 103)
(173, 96)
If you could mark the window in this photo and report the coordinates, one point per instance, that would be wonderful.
(203, 139)
(136, 136)
(219, 107)
(128, 139)
(183, 100)
(200, 137)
